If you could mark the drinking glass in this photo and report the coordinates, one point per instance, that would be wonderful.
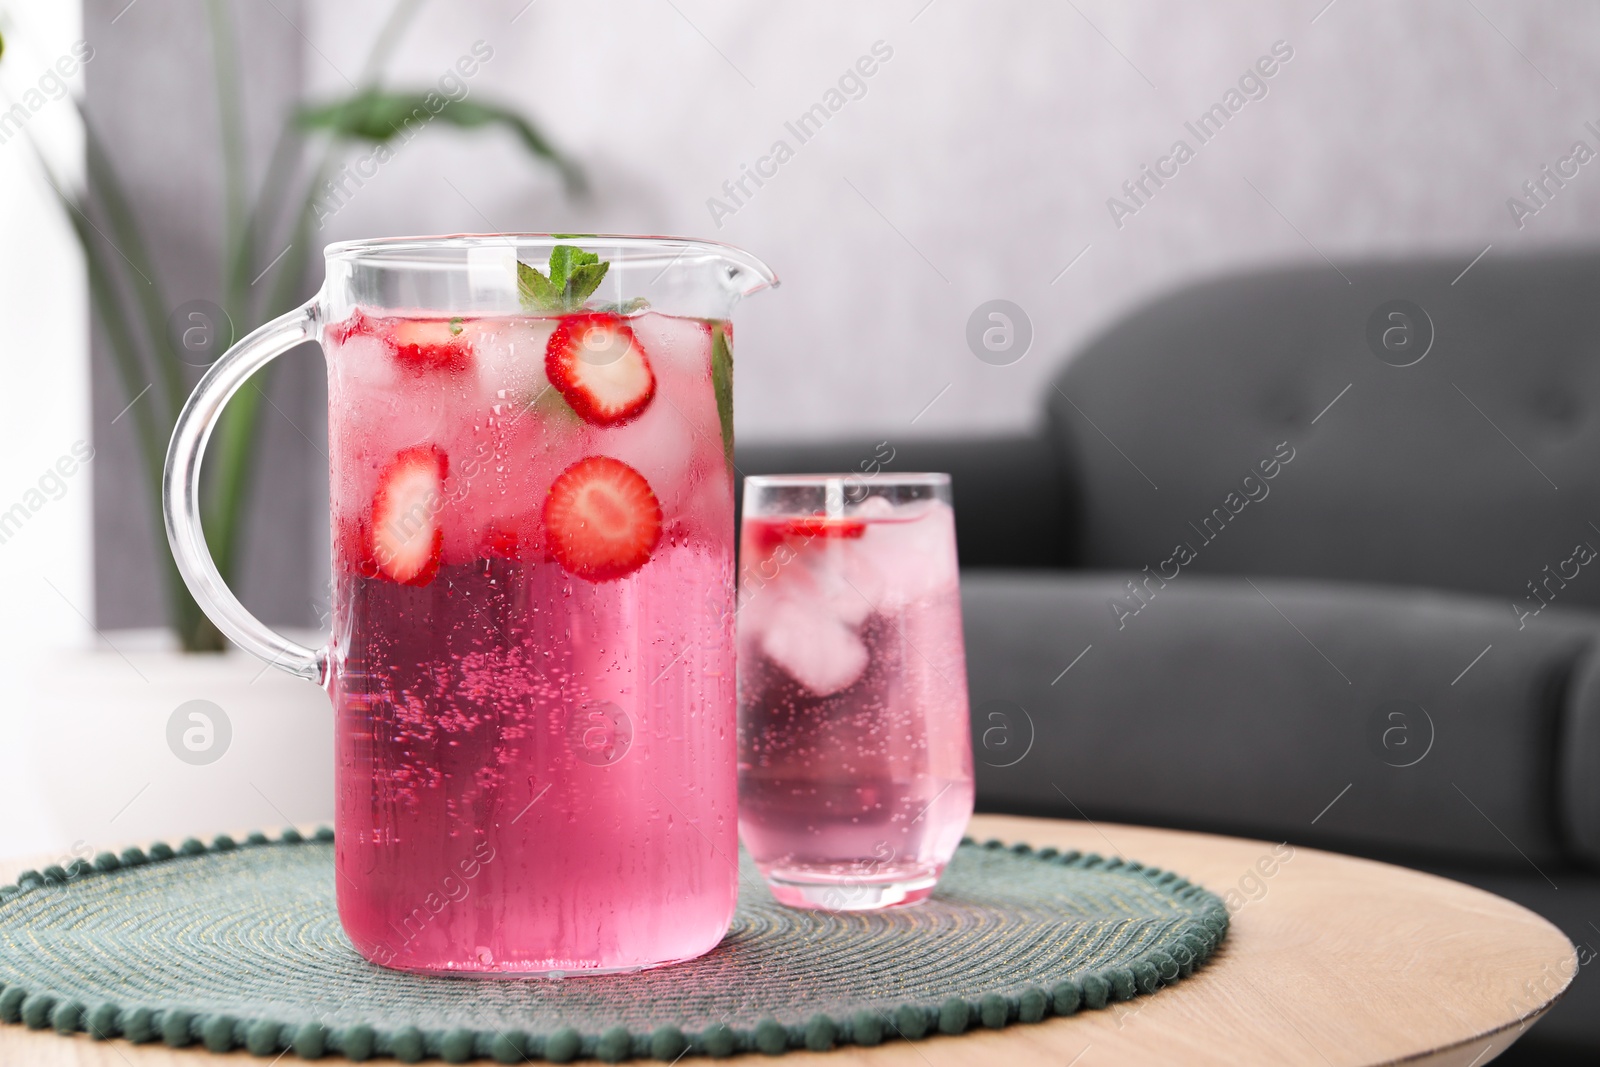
(855, 759)
(531, 663)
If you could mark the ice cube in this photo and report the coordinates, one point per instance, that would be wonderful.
(873, 507)
(679, 351)
(680, 347)
(845, 579)
(815, 647)
(510, 357)
(908, 559)
(364, 361)
(660, 445)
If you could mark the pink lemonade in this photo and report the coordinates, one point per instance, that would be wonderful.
(533, 663)
(855, 759)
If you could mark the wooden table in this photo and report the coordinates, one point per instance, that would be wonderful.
(1330, 961)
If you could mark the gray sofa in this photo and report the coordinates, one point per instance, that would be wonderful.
(1279, 563)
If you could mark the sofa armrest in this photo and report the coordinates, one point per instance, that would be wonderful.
(1337, 715)
(1012, 505)
(1580, 762)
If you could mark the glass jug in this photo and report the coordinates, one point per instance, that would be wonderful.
(532, 665)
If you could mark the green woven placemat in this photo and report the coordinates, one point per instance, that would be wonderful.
(238, 945)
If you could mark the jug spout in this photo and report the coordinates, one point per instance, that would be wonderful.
(700, 278)
(743, 272)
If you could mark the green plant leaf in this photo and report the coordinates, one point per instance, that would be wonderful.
(468, 113)
(722, 386)
(381, 116)
(371, 115)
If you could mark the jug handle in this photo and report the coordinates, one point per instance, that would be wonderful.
(180, 501)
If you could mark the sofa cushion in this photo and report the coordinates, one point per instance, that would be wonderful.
(1473, 468)
(1375, 720)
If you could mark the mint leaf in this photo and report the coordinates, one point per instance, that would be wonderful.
(583, 281)
(722, 386)
(573, 278)
(564, 259)
(631, 306)
(550, 404)
(560, 256)
(538, 295)
(455, 325)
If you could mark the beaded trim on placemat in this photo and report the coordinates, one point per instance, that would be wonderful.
(1166, 927)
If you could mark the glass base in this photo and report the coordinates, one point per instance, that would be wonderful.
(515, 975)
(795, 890)
(519, 972)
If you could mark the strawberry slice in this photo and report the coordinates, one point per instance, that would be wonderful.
(595, 362)
(809, 526)
(769, 533)
(500, 541)
(431, 345)
(765, 534)
(602, 519)
(405, 537)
